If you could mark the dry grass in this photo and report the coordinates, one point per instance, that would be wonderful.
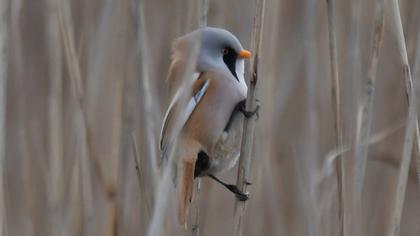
(82, 96)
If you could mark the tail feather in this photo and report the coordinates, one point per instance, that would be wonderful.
(185, 187)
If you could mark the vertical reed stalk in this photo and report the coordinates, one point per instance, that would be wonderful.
(195, 206)
(336, 104)
(74, 207)
(355, 75)
(3, 83)
(244, 168)
(75, 74)
(306, 162)
(22, 129)
(203, 8)
(136, 157)
(87, 151)
(203, 11)
(148, 96)
(411, 123)
(364, 120)
(416, 75)
(55, 136)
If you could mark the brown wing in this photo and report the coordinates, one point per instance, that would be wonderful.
(180, 115)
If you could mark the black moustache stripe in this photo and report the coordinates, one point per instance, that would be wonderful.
(230, 61)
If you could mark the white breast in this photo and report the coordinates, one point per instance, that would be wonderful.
(239, 67)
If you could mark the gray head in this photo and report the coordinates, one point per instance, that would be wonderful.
(219, 50)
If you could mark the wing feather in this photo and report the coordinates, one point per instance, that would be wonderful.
(176, 114)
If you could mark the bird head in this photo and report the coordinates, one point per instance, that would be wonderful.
(219, 50)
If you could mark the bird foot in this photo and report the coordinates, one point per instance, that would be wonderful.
(249, 114)
(241, 196)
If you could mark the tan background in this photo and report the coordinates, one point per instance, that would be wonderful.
(69, 166)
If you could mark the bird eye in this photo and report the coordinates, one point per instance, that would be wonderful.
(225, 51)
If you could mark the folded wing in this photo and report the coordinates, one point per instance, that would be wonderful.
(178, 114)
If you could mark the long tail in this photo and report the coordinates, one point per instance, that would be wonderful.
(186, 167)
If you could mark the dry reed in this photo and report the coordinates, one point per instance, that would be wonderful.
(78, 78)
(416, 75)
(55, 113)
(203, 8)
(364, 122)
(336, 106)
(3, 84)
(411, 123)
(244, 165)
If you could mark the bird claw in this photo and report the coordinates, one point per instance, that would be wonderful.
(241, 196)
(249, 114)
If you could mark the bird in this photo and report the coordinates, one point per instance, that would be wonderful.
(209, 116)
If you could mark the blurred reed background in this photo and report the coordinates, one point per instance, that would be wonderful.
(83, 94)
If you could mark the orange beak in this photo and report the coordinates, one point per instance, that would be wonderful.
(244, 54)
